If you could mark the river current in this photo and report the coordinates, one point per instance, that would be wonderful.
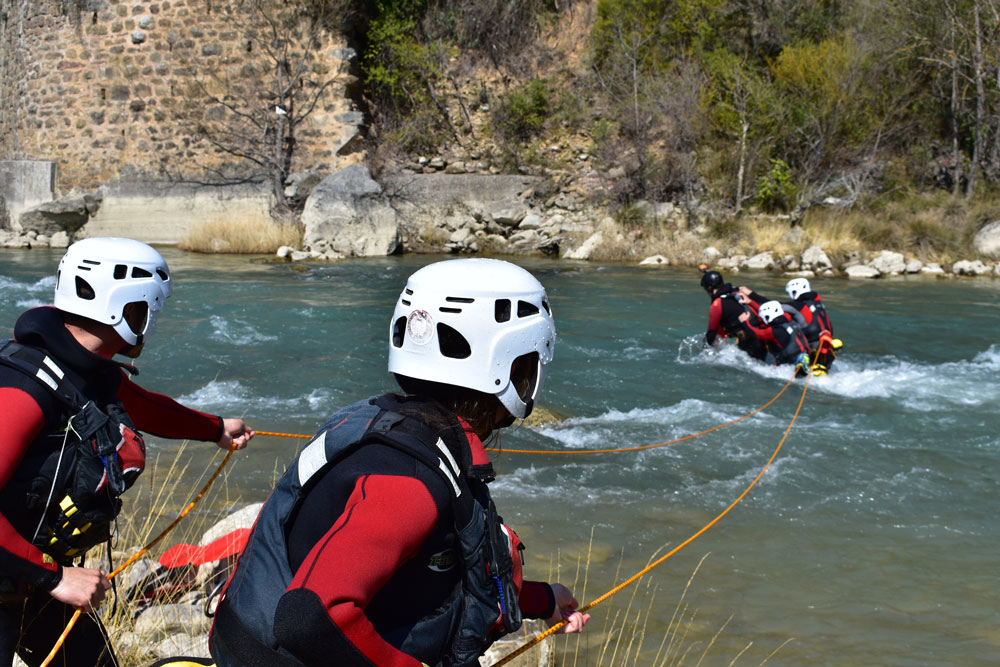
(871, 540)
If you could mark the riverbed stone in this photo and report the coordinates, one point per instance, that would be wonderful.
(586, 248)
(889, 263)
(914, 266)
(932, 268)
(970, 268)
(815, 258)
(987, 240)
(763, 260)
(655, 260)
(862, 271)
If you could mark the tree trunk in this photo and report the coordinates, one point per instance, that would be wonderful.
(977, 144)
(744, 128)
(956, 153)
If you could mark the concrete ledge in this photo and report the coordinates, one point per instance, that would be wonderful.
(25, 184)
(165, 213)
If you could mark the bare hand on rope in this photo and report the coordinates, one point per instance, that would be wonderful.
(235, 434)
(81, 588)
(566, 611)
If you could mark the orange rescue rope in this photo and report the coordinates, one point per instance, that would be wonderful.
(555, 628)
(140, 553)
(596, 451)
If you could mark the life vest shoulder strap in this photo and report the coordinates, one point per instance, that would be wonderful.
(36, 363)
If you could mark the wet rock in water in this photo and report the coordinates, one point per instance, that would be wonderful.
(970, 268)
(862, 271)
(932, 268)
(544, 417)
(889, 263)
(655, 260)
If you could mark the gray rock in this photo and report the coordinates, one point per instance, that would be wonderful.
(64, 215)
(914, 266)
(815, 259)
(457, 167)
(655, 260)
(146, 22)
(138, 37)
(762, 260)
(967, 268)
(299, 185)
(889, 263)
(285, 252)
(987, 240)
(932, 268)
(510, 215)
(790, 262)
(195, 647)
(862, 271)
(347, 210)
(710, 254)
(587, 248)
(799, 274)
(541, 654)
(171, 619)
(530, 221)
(241, 518)
(59, 240)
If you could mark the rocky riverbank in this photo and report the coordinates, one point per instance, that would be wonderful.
(444, 209)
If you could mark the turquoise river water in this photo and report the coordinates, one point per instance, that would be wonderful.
(872, 539)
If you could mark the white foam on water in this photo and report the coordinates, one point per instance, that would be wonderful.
(233, 397)
(31, 303)
(237, 332)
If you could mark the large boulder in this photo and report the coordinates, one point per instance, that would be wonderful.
(967, 268)
(763, 260)
(346, 213)
(65, 215)
(861, 271)
(987, 240)
(814, 259)
(889, 263)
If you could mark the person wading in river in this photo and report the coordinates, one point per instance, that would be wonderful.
(727, 306)
(70, 442)
(381, 545)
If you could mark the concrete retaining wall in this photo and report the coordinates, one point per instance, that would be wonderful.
(166, 213)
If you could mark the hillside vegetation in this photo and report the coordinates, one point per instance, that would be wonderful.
(875, 118)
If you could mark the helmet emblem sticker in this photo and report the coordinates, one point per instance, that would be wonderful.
(420, 327)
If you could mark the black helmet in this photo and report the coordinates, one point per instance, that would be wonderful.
(711, 280)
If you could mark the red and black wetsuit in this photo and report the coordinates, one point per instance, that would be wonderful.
(724, 320)
(784, 340)
(810, 304)
(371, 552)
(29, 415)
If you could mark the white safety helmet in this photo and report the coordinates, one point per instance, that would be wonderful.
(796, 287)
(770, 311)
(98, 277)
(463, 322)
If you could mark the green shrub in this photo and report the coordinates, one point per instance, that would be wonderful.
(523, 111)
(776, 190)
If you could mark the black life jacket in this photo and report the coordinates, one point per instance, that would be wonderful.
(819, 322)
(484, 604)
(795, 342)
(66, 491)
(730, 324)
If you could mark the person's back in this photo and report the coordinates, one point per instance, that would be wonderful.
(373, 547)
(725, 315)
(784, 339)
(809, 303)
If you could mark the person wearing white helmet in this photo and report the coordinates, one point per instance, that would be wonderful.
(807, 309)
(71, 434)
(784, 339)
(381, 545)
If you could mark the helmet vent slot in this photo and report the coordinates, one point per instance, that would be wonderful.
(140, 273)
(91, 261)
(404, 302)
(162, 274)
(545, 305)
(409, 291)
(525, 309)
(452, 343)
(120, 271)
(458, 299)
(443, 309)
(398, 330)
(84, 290)
(501, 310)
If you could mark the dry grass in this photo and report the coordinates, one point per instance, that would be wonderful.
(932, 228)
(244, 236)
(159, 496)
(620, 635)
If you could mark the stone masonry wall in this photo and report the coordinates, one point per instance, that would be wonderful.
(102, 88)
